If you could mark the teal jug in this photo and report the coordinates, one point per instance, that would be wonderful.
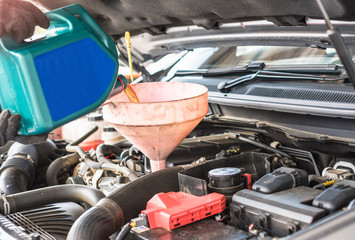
(61, 76)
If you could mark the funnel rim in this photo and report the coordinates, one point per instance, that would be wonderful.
(204, 90)
(165, 112)
(150, 125)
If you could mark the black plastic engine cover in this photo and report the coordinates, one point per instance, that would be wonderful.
(336, 197)
(281, 179)
(194, 180)
(49, 222)
(280, 214)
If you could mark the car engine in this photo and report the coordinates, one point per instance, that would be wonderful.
(270, 186)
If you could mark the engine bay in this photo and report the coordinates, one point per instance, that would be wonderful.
(244, 127)
(270, 190)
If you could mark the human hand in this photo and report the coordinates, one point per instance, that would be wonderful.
(8, 130)
(19, 19)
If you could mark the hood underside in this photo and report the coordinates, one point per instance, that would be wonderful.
(118, 16)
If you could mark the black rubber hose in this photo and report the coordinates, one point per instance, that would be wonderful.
(18, 172)
(49, 195)
(106, 163)
(13, 180)
(112, 212)
(19, 169)
(92, 164)
(133, 197)
(102, 148)
(266, 147)
(38, 152)
(124, 232)
(27, 150)
(59, 164)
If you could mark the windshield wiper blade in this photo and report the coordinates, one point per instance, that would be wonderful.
(254, 67)
(250, 67)
(227, 86)
(306, 68)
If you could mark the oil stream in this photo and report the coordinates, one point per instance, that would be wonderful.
(132, 96)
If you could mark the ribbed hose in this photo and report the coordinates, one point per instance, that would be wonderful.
(112, 212)
(18, 172)
(14, 180)
(59, 164)
(48, 195)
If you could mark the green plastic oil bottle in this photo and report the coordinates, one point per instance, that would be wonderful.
(61, 76)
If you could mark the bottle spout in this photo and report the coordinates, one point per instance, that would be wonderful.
(120, 85)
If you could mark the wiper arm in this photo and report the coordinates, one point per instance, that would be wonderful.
(227, 86)
(250, 67)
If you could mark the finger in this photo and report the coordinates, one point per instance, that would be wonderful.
(22, 30)
(3, 11)
(25, 26)
(40, 18)
(30, 22)
(10, 19)
(31, 139)
(12, 126)
(4, 116)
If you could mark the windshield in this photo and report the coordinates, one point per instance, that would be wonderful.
(230, 57)
(274, 57)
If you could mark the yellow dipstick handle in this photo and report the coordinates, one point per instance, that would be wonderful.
(128, 43)
(133, 224)
(327, 183)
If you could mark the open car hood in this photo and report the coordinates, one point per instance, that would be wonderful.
(118, 16)
(160, 27)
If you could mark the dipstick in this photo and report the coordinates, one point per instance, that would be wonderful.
(128, 43)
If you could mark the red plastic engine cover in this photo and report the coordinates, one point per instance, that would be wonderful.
(176, 209)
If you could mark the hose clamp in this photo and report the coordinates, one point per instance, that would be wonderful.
(6, 204)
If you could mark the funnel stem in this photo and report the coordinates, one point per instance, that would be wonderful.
(156, 165)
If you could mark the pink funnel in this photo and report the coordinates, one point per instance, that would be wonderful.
(166, 114)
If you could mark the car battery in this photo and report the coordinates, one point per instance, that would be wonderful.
(279, 214)
(206, 229)
(65, 73)
(175, 209)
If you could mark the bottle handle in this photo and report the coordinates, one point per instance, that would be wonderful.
(62, 21)
(86, 20)
(59, 24)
